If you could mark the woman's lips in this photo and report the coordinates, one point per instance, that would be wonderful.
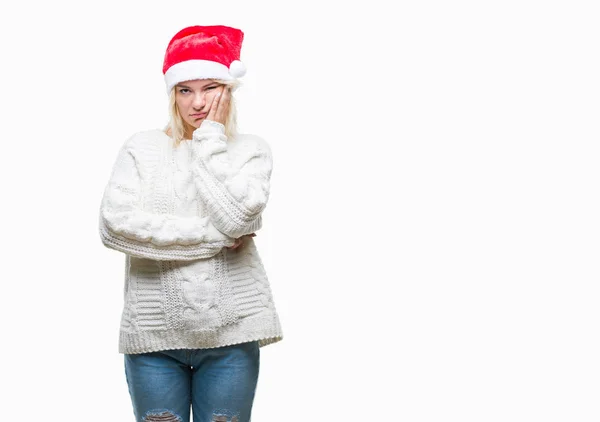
(199, 115)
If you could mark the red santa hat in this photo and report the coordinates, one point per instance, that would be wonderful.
(204, 52)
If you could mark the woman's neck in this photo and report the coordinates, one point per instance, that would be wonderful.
(189, 131)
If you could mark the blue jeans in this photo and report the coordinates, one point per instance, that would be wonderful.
(219, 384)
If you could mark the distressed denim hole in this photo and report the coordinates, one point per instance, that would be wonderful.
(223, 418)
(163, 416)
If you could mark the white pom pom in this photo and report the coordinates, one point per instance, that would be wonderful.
(237, 69)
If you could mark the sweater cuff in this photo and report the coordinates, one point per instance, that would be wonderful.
(211, 126)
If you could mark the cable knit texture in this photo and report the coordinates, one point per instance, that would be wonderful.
(172, 211)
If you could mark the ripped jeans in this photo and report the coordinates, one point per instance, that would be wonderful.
(219, 384)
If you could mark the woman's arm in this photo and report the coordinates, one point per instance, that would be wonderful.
(233, 179)
(126, 227)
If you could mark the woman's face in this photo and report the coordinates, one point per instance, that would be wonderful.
(193, 99)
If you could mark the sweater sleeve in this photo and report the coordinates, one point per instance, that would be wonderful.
(126, 227)
(232, 177)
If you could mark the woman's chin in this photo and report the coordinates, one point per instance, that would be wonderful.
(195, 124)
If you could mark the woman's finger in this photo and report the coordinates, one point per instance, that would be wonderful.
(223, 105)
(212, 111)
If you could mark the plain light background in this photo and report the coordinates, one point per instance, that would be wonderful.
(432, 235)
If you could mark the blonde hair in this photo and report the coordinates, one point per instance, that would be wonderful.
(177, 125)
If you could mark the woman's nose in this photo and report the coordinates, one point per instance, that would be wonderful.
(199, 100)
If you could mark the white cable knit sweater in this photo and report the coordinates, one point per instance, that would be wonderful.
(172, 210)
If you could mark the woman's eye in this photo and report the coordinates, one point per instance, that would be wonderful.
(211, 87)
(184, 90)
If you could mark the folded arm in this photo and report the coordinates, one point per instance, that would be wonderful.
(126, 227)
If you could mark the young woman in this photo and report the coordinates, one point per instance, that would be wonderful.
(184, 204)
